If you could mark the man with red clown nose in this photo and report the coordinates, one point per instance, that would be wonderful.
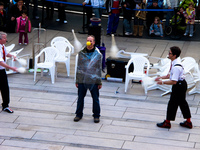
(88, 76)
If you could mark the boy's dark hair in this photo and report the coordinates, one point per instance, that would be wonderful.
(175, 51)
(25, 11)
(181, 7)
(1, 4)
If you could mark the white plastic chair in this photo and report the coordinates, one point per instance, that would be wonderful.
(50, 54)
(10, 48)
(63, 47)
(139, 65)
(11, 62)
(61, 38)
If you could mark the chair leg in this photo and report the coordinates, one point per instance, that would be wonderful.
(192, 91)
(68, 72)
(52, 73)
(167, 92)
(126, 84)
(56, 70)
(35, 71)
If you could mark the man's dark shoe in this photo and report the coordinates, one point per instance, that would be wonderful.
(186, 124)
(96, 120)
(164, 124)
(76, 119)
(8, 110)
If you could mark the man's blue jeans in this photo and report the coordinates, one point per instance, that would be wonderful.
(82, 90)
(113, 22)
(128, 25)
(97, 12)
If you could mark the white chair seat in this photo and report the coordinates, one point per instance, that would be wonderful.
(137, 76)
(45, 65)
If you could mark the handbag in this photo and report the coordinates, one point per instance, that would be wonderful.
(141, 14)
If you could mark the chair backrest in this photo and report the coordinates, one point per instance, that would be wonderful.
(62, 47)
(15, 53)
(139, 63)
(10, 47)
(61, 38)
(188, 63)
(51, 53)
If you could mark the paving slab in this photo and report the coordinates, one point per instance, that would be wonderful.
(33, 145)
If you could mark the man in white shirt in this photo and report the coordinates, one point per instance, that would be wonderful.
(178, 95)
(4, 88)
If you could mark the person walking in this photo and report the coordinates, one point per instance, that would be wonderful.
(4, 88)
(178, 94)
(88, 76)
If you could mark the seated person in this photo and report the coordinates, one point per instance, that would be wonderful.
(152, 14)
(150, 3)
(156, 28)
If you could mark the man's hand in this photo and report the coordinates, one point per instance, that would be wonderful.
(76, 85)
(14, 57)
(99, 86)
(160, 82)
(12, 18)
(158, 78)
(84, 3)
(14, 69)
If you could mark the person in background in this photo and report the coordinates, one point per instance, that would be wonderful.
(127, 14)
(4, 88)
(88, 76)
(156, 28)
(152, 14)
(2, 17)
(23, 27)
(178, 94)
(96, 7)
(171, 4)
(49, 13)
(35, 8)
(190, 19)
(15, 12)
(113, 19)
(61, 12)
(138, 23)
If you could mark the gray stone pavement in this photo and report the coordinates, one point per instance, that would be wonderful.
(44, 112)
